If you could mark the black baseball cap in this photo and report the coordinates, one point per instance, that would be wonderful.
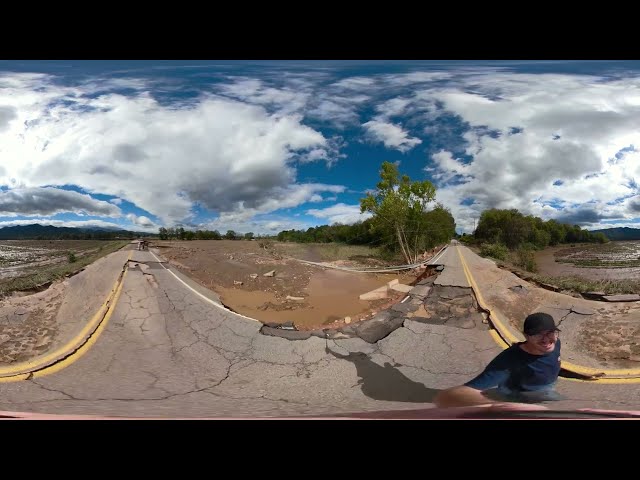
(539, 322)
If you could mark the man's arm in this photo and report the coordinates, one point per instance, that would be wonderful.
(470, 394)
(461, 396)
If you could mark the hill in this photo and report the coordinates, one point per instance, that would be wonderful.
(620, 233)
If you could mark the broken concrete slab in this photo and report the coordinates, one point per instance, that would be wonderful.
(399, 287)
(282, 333)
(622, 298)
(420, 290)
(469, 321)
(406, 307)
(430, 320)
(393, 282)
(378, 327)
(272, 273)
(450, 292)
(376, 294)
(582, 310)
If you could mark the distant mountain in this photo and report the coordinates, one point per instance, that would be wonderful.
(620, 233)
(49, 232)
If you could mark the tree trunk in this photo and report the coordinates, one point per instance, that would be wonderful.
(402, 245)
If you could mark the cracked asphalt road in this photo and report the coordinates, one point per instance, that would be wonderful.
(166, 352)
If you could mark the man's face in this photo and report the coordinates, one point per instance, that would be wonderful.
(543, 342)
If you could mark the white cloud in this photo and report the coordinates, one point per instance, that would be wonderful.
(355, 83)
(394, 107)
(255, 91)
(568, 129)
(49, 201)
(393, 136)
(141, 221)
(221, 153)
(116, 201)
(63, 223)
(340, 213)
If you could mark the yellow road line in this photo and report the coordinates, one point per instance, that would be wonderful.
(90, 331)
(504, 336)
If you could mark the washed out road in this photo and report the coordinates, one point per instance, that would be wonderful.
(168, 349)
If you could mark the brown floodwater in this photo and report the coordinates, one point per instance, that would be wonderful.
(547, 264)
(330, 295)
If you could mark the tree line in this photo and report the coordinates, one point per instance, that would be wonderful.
(515, 230)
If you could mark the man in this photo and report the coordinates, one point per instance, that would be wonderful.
(525, 372)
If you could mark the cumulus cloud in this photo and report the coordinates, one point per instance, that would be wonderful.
(340, 213)
(496, 139)
(525, 132)
(255, 91)
(140, 221)
(63, 223)
(634, 205)
(219, 153)
(6, 115)
(49, 201)
(392, 135)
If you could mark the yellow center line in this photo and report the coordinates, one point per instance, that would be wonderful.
(74, 348)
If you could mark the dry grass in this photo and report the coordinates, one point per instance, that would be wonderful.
(50, 273)
(581, 285)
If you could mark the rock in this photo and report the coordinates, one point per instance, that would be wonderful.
(519, 289)
(272, 273)
(254, 275)
(21, 311)
(237, 282)
(439, 268)
(289, 297)
(347, 320)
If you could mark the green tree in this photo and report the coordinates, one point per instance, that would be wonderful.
(248, 236)
(230, 235)
(398, 206)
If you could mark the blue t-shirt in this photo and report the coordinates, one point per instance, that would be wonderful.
(519, 371)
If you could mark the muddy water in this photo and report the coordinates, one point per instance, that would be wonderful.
(331, 295)
(548, 266)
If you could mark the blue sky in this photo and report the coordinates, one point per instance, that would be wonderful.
(264, 146)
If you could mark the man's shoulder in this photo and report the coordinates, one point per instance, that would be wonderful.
(508, 354)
